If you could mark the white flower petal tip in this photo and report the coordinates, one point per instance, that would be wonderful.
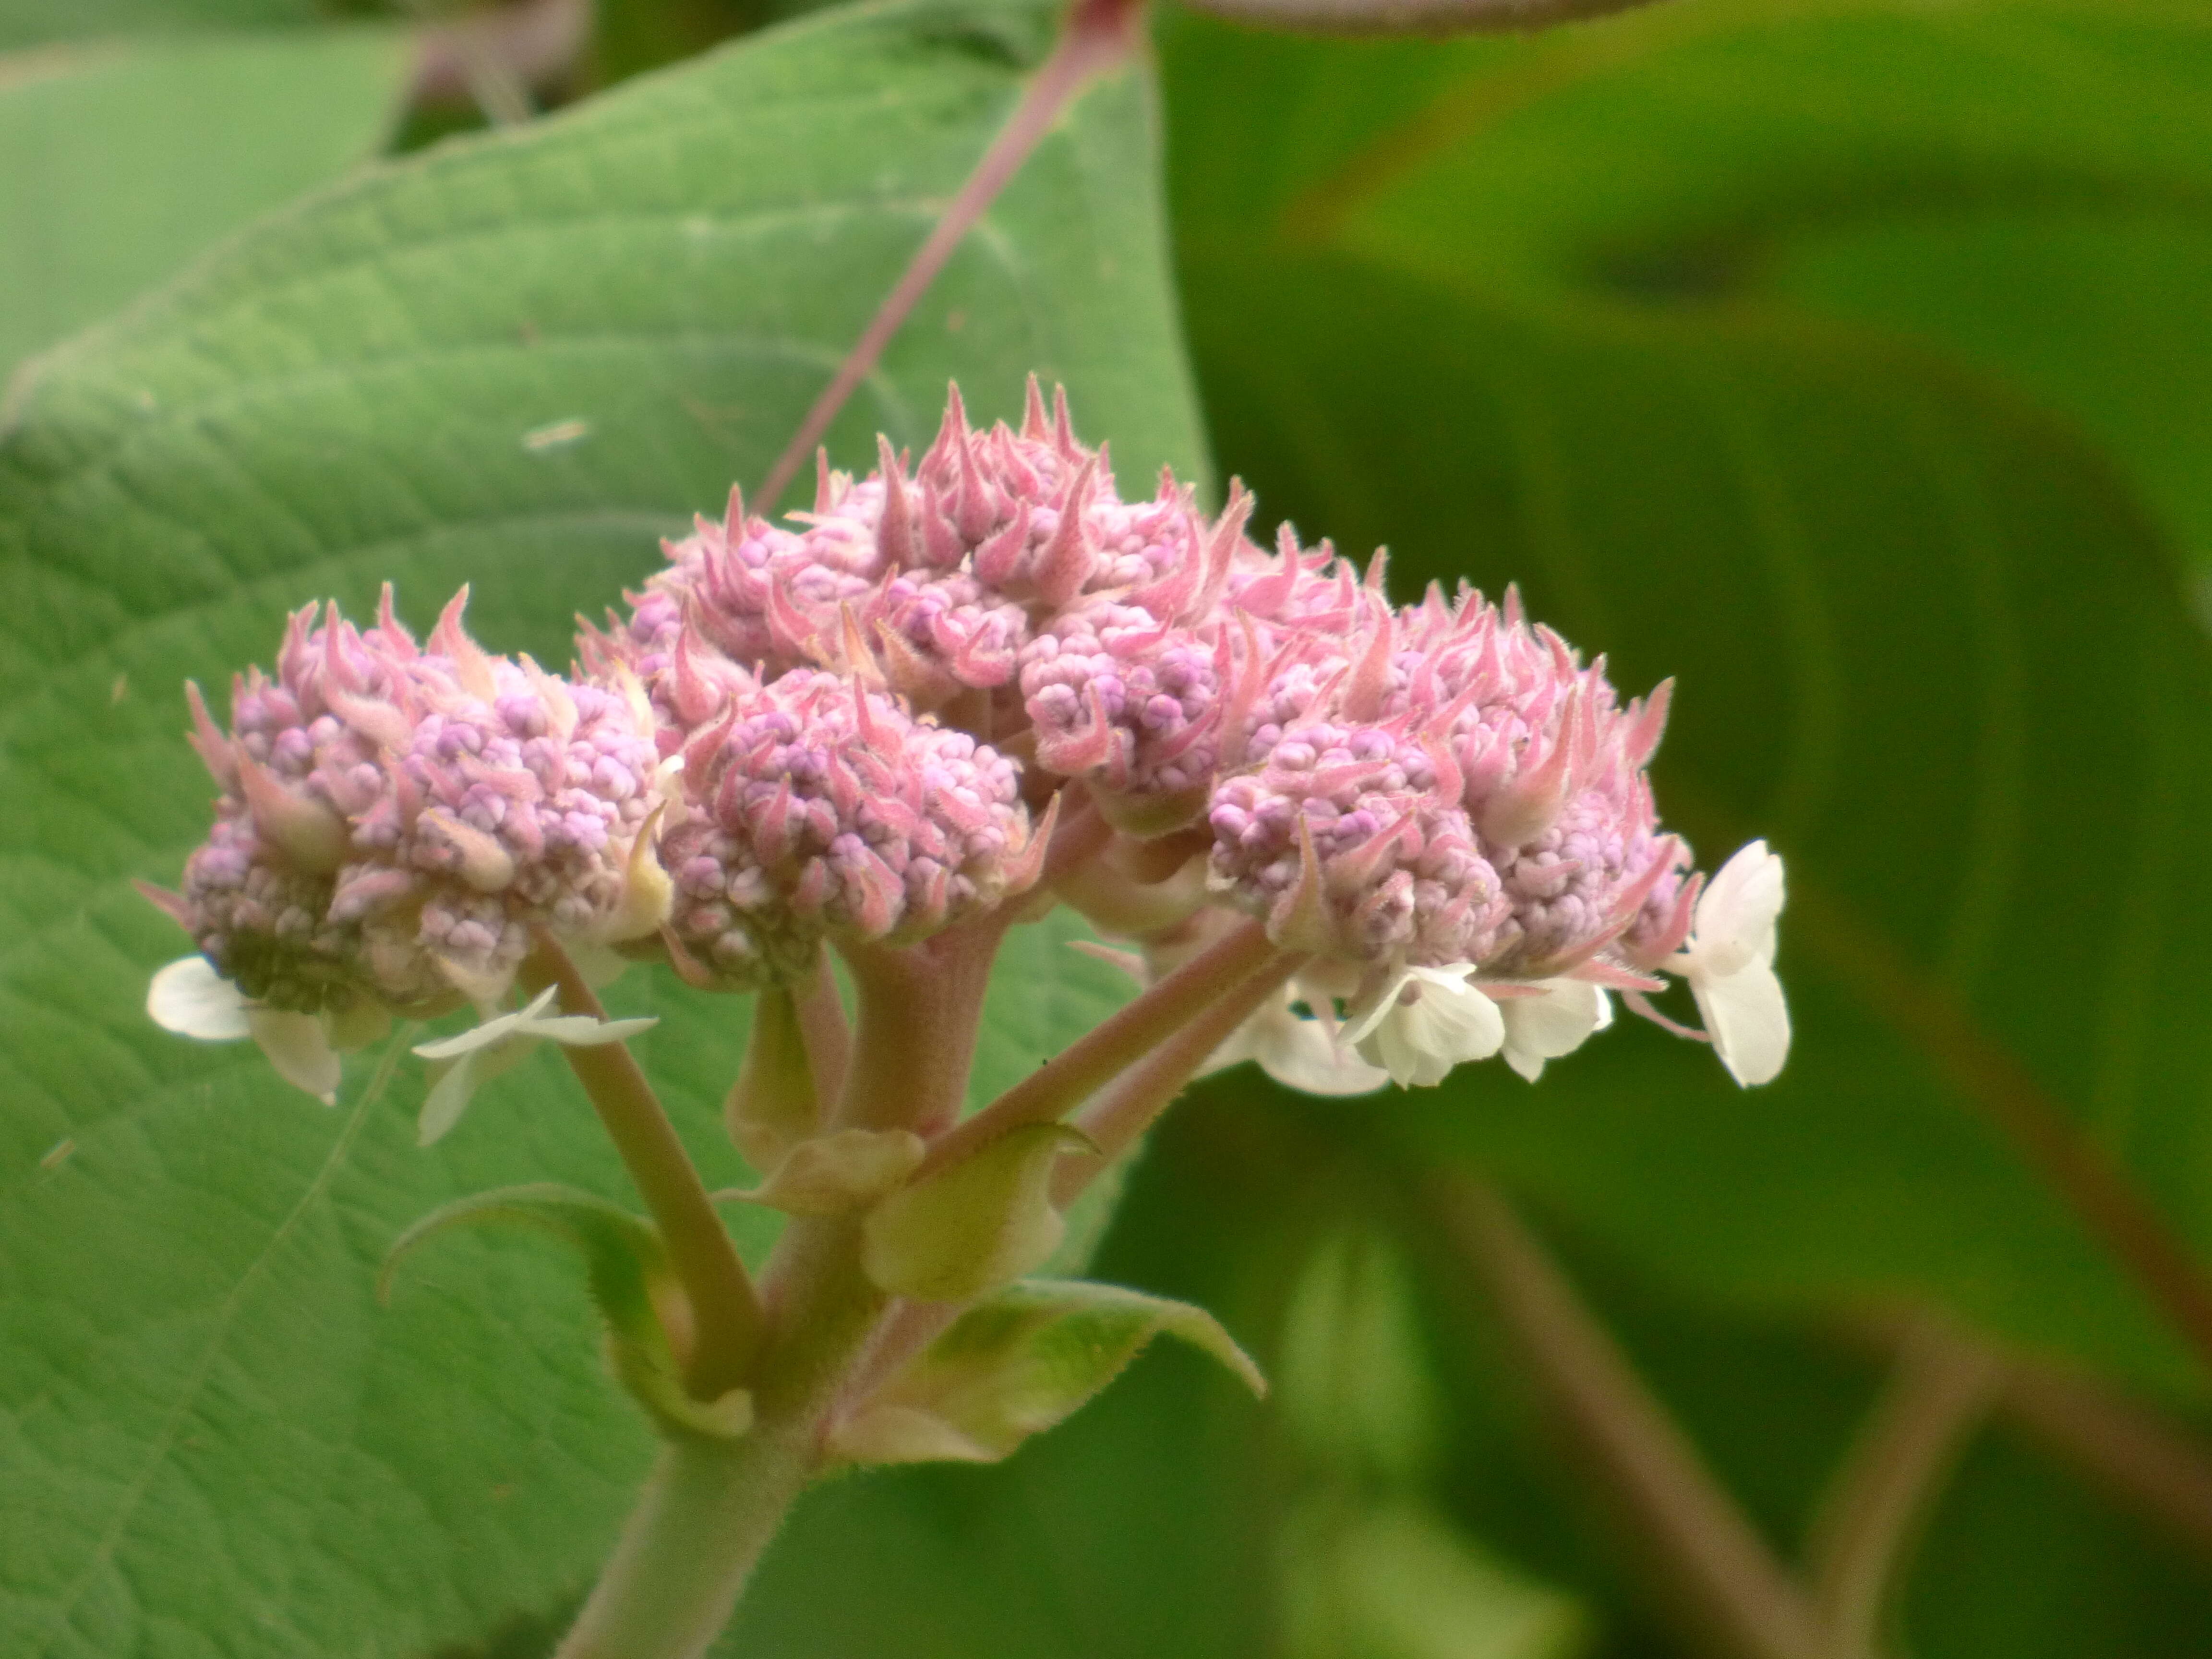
(1426, 1021)
(463, 1064)
(1749, 1023)
(299, 1048)
(189, 998)
(1555, 1021)
(1730, 963)
(531, 1021)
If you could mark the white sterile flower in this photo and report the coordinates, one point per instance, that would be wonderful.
(475, 1057)
(1425, 1022)
(1308, 1054)
(1730, 963)
(189, 998)
(1552, 1023)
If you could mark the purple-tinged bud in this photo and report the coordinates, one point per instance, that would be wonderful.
(817, 808)
(1342, 842)
(393, 821)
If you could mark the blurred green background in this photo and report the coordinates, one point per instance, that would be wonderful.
(1849, 360)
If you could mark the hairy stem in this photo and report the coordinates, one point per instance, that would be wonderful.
(710, 1508)
(920, 1009)
(1717, 1574)
(1097, 35)
(1939, 1391)
(726, 1310)
(822, 1029)
(1072, 1076)
(707, 1511)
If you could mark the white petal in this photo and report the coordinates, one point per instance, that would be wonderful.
(453, 1083)
(449, 1099)
(1747, 1019)
(582, 1031)
(1371, 1013)
(1454, 1022)
(297, 1047)
(1418, 1042)
(1541, 1028)
(1299, 1054)
(1736, 912)
(190, 998)
(485, 1033)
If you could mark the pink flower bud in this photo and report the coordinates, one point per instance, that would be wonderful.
(818, 808)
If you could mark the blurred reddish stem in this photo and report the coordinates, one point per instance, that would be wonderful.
(1096, 35)
(1870, 1521)
(1718, 1575)
(2104, 1196)
(2133, 1451)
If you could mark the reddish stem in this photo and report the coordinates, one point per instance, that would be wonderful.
(1066, 1080)
(822, 1030)
(1122, 1111)
(1098, 35)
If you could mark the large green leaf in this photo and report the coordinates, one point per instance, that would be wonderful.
(36, 23)
(213, 1439)
(118, 163)
(1927, 643)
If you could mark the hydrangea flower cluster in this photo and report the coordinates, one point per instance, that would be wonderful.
(848, 728)
(393, 823)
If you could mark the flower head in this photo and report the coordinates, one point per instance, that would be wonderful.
(817, 808)
(393, 821)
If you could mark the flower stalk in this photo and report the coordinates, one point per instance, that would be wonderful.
(725, 1310)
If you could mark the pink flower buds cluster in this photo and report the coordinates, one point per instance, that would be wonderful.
(816, 807)
(393, 821)
(1443, 783)
(1000, 584)
(1440, 804)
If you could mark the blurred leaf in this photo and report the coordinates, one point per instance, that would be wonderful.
(211, 1434)
(1354, 1377)
(119, 163)
(1928, 644)
(36, 23)
(1397, 1580)
(2101, 313)
(2026, 184)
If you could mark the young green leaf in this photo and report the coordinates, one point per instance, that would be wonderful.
(631, 1286)
(971, 1228)
(1019, 1363)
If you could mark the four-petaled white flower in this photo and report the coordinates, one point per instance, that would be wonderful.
(1310, 1054)
(1730, 963)
(1553, 1022)
(461, 1064)
(1424, 1022)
